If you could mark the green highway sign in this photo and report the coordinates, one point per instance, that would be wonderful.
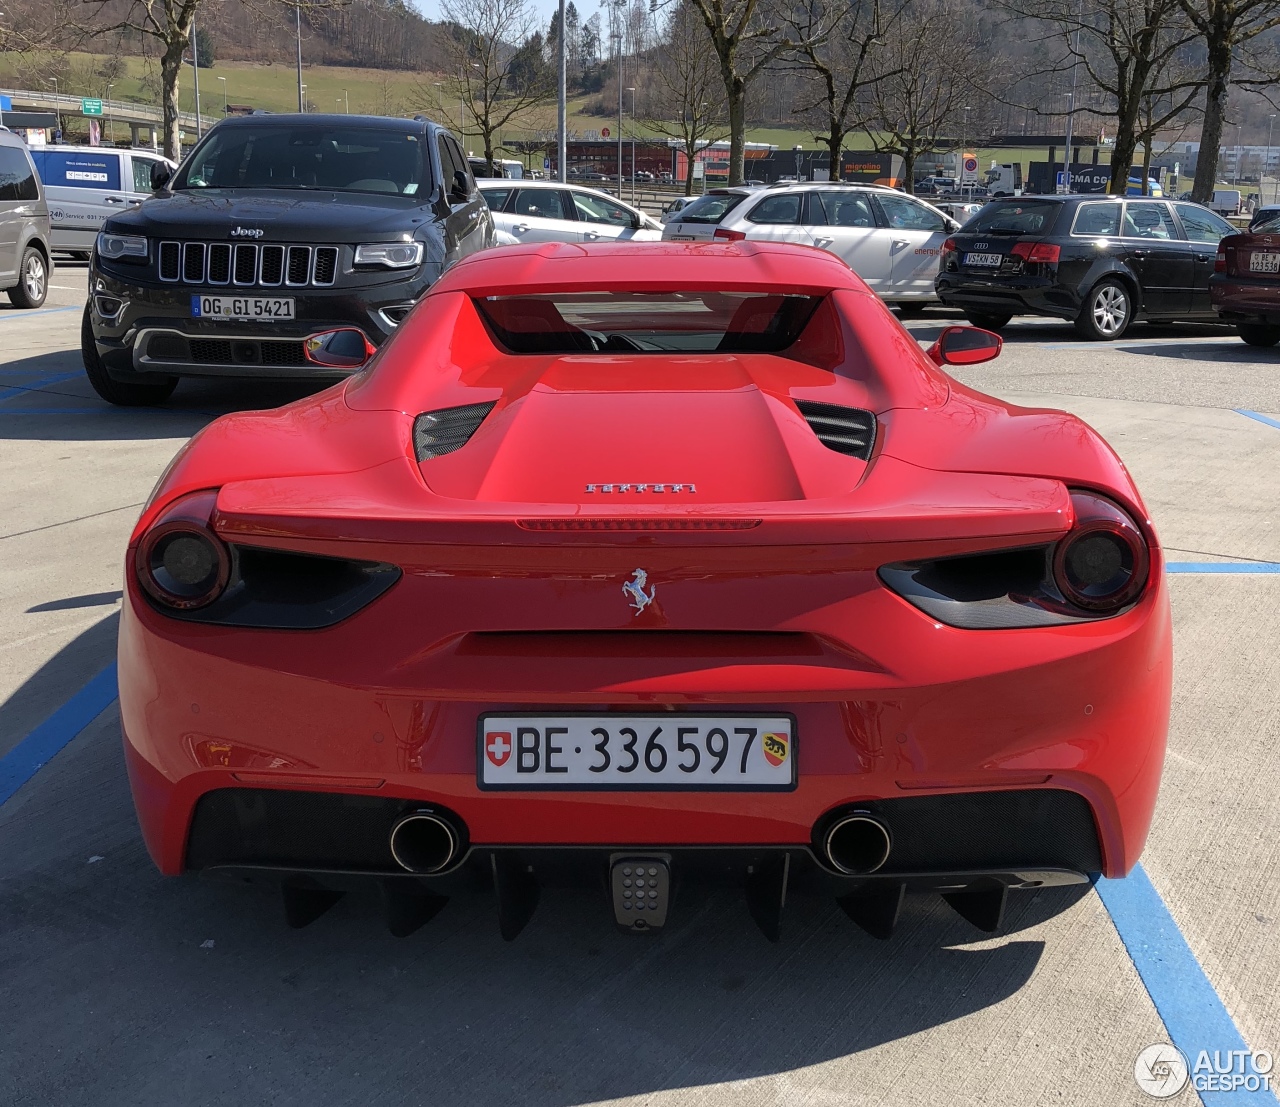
(90, 107)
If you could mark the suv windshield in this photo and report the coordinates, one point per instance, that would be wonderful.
(712, 207)
(301, 156)
(647, 322)
(1020, 216)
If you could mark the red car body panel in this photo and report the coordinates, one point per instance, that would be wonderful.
(768, 589)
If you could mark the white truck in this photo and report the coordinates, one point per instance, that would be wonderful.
(1226, 201)
(1004, 180)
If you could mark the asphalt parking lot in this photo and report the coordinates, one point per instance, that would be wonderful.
(120, 986)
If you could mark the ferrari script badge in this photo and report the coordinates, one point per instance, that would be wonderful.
(634, 590)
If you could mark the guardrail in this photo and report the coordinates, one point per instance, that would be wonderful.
(126, 111)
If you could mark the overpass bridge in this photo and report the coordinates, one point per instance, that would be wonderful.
(144, 120)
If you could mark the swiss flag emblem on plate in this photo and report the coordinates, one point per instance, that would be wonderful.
(497, 747)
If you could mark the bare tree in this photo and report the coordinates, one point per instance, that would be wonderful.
(836, 42)
(746, 38)
(933, 61)
(498, 75)
(687, 96)
(1125, 50)
(169, 24)
(1227, 28)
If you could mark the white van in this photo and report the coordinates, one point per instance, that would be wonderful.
(86, 184)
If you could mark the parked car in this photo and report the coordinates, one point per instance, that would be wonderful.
(1264, 214)
(549, 211)
(676, 207)
(1245, 287)
(284, 246)
(1100, 261)
(25, 257)
(86, 185)
(645, 563)
(892, 241)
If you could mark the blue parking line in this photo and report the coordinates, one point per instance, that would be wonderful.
(39, 747)
(11, 315)
(1222, 567)
(1184, 998)
(33, 386)
(1261, 418)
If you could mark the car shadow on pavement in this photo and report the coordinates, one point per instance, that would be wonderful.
(48, 397)
(120, 985)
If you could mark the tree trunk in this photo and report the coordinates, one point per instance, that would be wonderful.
(170, 69)
(1215, 108)
(909, 167)
(690, 151)
(1146, 166)
(737, 91)
(1121, 163)
(834, 141)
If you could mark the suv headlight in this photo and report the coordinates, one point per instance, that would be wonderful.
(123, 247)
(390, 255)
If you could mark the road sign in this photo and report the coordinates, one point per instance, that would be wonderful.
(604, 132)
(546, 163)
(90, 107)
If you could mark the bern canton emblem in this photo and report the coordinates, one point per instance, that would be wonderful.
(634, 590)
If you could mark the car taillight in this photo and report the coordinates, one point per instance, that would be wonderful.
(729, 236)
(948, 247)
(1103, 563)
(180, 562)
(1220, 262)
(1037, 251)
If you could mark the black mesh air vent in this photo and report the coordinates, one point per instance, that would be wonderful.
(847, 430)
(272, 265)
(441, 432)
(219, 262)
(170, 261)
(299, 266)
(326, 264)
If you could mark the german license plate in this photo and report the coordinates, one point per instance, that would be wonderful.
(989, 260)
(242, 307)
(1264, 263)
(681, 238)
(639, 752)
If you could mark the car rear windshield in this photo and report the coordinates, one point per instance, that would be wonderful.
(300, 156)
(647, 322)
(712, 207)
(1019, 216)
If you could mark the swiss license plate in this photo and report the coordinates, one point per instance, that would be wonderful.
(242, 307)
(640, 752)
(1264, 263)
(989, 260)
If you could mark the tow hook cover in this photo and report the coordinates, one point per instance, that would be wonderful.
(641, 887)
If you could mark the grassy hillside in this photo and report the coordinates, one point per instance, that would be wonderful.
(373, 91)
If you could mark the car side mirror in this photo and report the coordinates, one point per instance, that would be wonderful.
(637, 221)
(964, 346)
(160, 175)
(953, 225)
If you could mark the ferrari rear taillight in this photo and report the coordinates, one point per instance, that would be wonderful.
(729, 236)
(1046, 252)
(1103, 563)
(180, 562)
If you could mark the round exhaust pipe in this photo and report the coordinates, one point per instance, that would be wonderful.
(423, 842)
(857, 843)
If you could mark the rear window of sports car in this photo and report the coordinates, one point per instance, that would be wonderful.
(647, 322)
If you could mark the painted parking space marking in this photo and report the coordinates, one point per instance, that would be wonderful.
(1259, 417)
(39, 747)
(10, 316)
(1186, 1001)
(13, 391)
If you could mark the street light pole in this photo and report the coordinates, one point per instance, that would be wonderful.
(195, 73)
(618, 57)
(562, 104)
(297, 13)
(1267, 162)
(224, 96)
(111, 129)
(633, 146)
(304, 97)
(1235, 168)
(346, 103)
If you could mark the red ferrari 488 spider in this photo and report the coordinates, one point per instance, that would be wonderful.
(635, 561)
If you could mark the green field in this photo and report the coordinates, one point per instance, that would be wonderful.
(371, 91)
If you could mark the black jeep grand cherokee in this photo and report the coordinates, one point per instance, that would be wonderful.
(284, 246)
